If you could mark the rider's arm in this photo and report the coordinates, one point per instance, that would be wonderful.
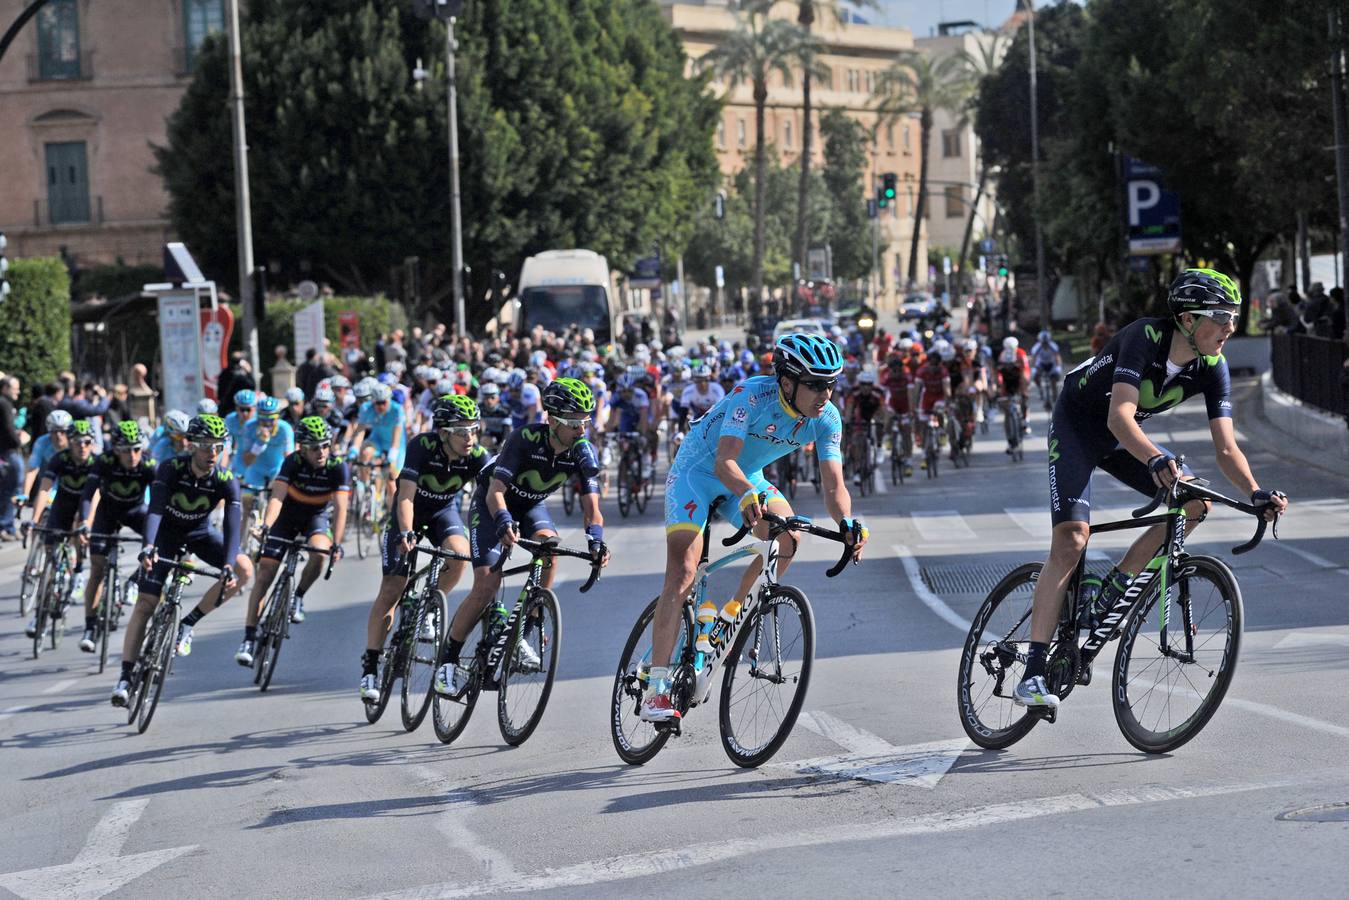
(728, 469)
(87, 506)
(230, 527)
(341, 500)
(274, 501)
(40, 501)
(1120, 419)
(159, 496)
(1231, 460)
(407, 490)
(837, 500)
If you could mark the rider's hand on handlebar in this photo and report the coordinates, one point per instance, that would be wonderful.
(1275, 503)
(1164, 470)
(406, 541)
(750, 510)
(147, 558)
(338, 553)
(856, 536)
(227, 576)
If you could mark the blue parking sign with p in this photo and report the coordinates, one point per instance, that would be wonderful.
(1153, 212)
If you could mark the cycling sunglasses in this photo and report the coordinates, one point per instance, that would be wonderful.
(1219, 317)
(819, 385)
(571, 423)
(212, 446)
(462, 430)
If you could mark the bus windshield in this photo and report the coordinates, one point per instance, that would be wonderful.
(557, 307)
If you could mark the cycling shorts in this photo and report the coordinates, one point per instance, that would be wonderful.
(482, 535)
(690, 493)
(64, 510)
(1074, 456)
(108, 521)
(207, 544)
(383, 448)
(294, 522)
(444, 524)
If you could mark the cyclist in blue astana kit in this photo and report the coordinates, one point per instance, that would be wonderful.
(762, 419)
(267, 441)
(121, 478)
(170, 438)
(1147, 368)
(310, 480)
(509, 500)
(186, 490)
(379, 432)
(47, 446)
(438, 466)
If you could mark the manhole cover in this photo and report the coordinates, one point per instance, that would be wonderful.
(966, 578)
(1327, 812)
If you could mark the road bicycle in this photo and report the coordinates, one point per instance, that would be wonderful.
(367, 505)
(862, 456)
(274, 622)
(522, 687)
(1013, 427)
(1047, 384)
(113, 596)
(934, 438)
(32, 567)
(767, 648)
(157, 651)
(960, 431)
(901, 446)
(55, 586)
(1168, 678)
(413, 650)
(633, 489)
(252, 547)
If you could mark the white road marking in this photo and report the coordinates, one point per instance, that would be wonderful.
(872, 758)
(847, 736)
(1034, 520)
(1273, 712)
(1319, 561)
(13, 711)
(1304, 639)
(942, 527)
(59, 686)
(496, 865)
(98, 869)
(680, 859)
(931, 600)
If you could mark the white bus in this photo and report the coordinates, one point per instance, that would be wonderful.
(561, 288)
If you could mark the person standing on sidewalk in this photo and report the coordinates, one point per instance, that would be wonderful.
(11, 445)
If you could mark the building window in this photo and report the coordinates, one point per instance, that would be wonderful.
(906, 139)
(58, 40)
(201, 18)
(890, 136)
(787, 134)
(67, 183)
(871, 82)
(950, 144)
(721, 134)
(853, 82)
(955, 202)
(740, 134)
(827, 82)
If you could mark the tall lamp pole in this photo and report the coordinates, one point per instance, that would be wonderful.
(1041, 287)
(243, 214)
(1341, 163)
(456, 223)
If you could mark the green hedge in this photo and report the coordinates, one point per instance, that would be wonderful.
(114, 281)
(35, 338)
(378, 315)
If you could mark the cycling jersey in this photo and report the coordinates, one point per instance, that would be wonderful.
(496, 420)
(932, 380)
(531, 470)
(180, 503)
(437, 477)
(1011, 376)
(631, 410)
(161, 446)
(699, 402)
(383, 426)
(268, 456)
(896, 381)
(522, 404)
(121, 500)
(1044, 353)
(43, 451)
(304, 506)
(756, 413)
(68, 475)
(337, 424)
(863, 405)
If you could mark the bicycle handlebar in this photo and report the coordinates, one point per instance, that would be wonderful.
(299, 544)
(28, 527)
(1196, 491)
(779, 525)
(550, 547)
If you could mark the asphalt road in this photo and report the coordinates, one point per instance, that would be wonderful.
(291, 793)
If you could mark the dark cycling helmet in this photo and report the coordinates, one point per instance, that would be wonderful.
(452, 410)
(1202, 289)
(313, 431)
(803, 355)
(568, 397)
(80, 428)
(206, 428)
(269, 408)
(128, 436)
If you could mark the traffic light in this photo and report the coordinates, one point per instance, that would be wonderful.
(1003, 268)
(881, 202)
(4, 268)
(889, 181)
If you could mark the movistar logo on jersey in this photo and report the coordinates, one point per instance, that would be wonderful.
(429, 442)
(1054, 450)
(125, 490)
(198, 503)
(1154, 334)
(435, 485)
(1148, 399)
(534, 481)
(74, 482)
(533, 435)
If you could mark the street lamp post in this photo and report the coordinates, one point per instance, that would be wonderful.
(243, 215)
(456, 223)
(1041, 286)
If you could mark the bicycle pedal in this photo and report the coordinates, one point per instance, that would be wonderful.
(1048, 713)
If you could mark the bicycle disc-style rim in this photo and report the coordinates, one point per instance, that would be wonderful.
(387, 660)
(450, 715)
(993, 660)
(270, 652)
(523, 693)
(419, 663)
(107, 603)
(159, 671)
(767, 677)
(637, 742)
(1160, 701)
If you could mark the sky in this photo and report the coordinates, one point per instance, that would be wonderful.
(922, 16)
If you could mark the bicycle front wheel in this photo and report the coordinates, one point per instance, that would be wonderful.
(361, 513)
(625, 486)
(28, 587)
(767, 674)
(273, 633)
(450, 715)
(637, 742)
(156, 671)
(525, 685)
(993, 660)
(110, 601)
(1169, 682)
(419, 666)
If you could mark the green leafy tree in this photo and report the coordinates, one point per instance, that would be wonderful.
(915, 84)
(845, 162)
(976, 66)
(35, 342)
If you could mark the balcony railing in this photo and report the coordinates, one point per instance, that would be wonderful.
(1308, 368)
(49, 69)
(68, 211)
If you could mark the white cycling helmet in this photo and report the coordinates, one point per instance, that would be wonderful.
(905, 344)
(207, 407)
(1010, 343)
(59, 420)
(971, 345)
(867, 377)
(1007, 356)
(948, 353)
(444, 386)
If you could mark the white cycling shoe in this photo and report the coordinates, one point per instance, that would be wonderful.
(451, 680)
(1033, 692)
(370, 688)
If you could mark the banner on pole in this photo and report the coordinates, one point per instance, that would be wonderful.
(308, 330)
(180, 349)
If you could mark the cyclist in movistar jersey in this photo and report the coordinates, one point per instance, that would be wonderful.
(1147, 368)
(67, 472)
(121, 478)
(509, 501)
(185, 491)
(312, 479)
(723, 456)
(439, 465)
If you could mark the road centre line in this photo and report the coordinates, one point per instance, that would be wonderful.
(450, 822)
(648, 863)
(931, 600)
(1273, 712)
(59, 686)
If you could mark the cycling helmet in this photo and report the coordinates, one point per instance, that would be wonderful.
(444, 386)
(588, 356)
(80, 428)
(1007, 357)
(245, 399)
(1044, 335)
(381, 394)
(176, 422)
(746, 357)
(268, 407)
(970, 345)
(313, 431)
(703, 371)
(572, 372)
(568, 397)
(489, 390)
(59, 420)
(207, 406)
(394, 368)
(515, 380)
(626, 382)
(325, 395)
(948, 353)
(295, 395)
(867, 377)
(207, 427)
(538, 358)
(337, 382)
(387, 378)
(799, 355)
(1202, 289)
(128, 436)
(453, 409)
(1010, 343)
(363, 388)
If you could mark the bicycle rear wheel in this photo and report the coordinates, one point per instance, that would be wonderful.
(993, 660)
(161, 661)
(637, 741)
(28, 592)
(110, 601)
(767, 675)
(273, 633)
(523, 693)
(419, 665)
(568, 497)
(625, 485)
(389, 664)
(1163, 698)
(450, 715)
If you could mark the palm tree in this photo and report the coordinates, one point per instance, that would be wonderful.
(912, 85)
(750, 53)
(976, 67)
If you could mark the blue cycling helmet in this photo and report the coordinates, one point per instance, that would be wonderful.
(516, 380)
(746, 357)
(388, 378)
(268, 407)
(245, 398)
(573, 372)
(626, 382)
(800, 355)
